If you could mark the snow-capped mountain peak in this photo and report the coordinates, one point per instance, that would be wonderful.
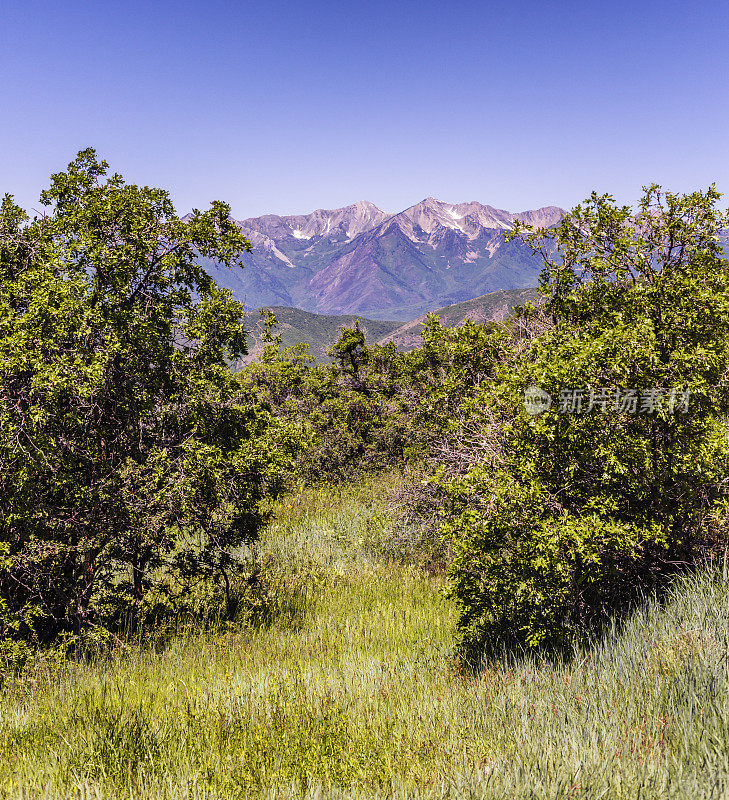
(335, 224)
(360, 259)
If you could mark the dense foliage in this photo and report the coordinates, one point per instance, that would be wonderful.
(130, 461)
(559, 518)
(375, 407)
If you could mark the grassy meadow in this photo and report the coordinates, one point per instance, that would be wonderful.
(344, 684)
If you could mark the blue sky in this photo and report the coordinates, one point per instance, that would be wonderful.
(285, 107)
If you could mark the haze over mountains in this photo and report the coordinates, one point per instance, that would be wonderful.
(362, 260)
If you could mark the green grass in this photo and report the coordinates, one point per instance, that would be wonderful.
(349, 689)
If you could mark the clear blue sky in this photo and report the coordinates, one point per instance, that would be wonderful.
(285, 107)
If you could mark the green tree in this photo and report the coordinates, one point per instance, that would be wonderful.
(128, 453)
(377, 407)
(559, 518)
(351, 351)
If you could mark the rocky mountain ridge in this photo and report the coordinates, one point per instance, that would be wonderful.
(361, 260)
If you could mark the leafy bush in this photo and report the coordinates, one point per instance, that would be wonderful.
(128, 452)
(377, 407)
(559, 518)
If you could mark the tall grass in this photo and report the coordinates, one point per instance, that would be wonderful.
(348, 688)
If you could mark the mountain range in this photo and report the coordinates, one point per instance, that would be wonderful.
(361, 260)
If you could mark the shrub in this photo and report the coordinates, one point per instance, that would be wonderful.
(128, 452)
(560, 518)
(376, 408)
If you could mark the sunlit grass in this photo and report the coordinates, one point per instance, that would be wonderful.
(352, 690)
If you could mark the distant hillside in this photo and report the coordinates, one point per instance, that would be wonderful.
(495, 306)
(319, 331)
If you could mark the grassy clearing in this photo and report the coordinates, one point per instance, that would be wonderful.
(349, 689)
